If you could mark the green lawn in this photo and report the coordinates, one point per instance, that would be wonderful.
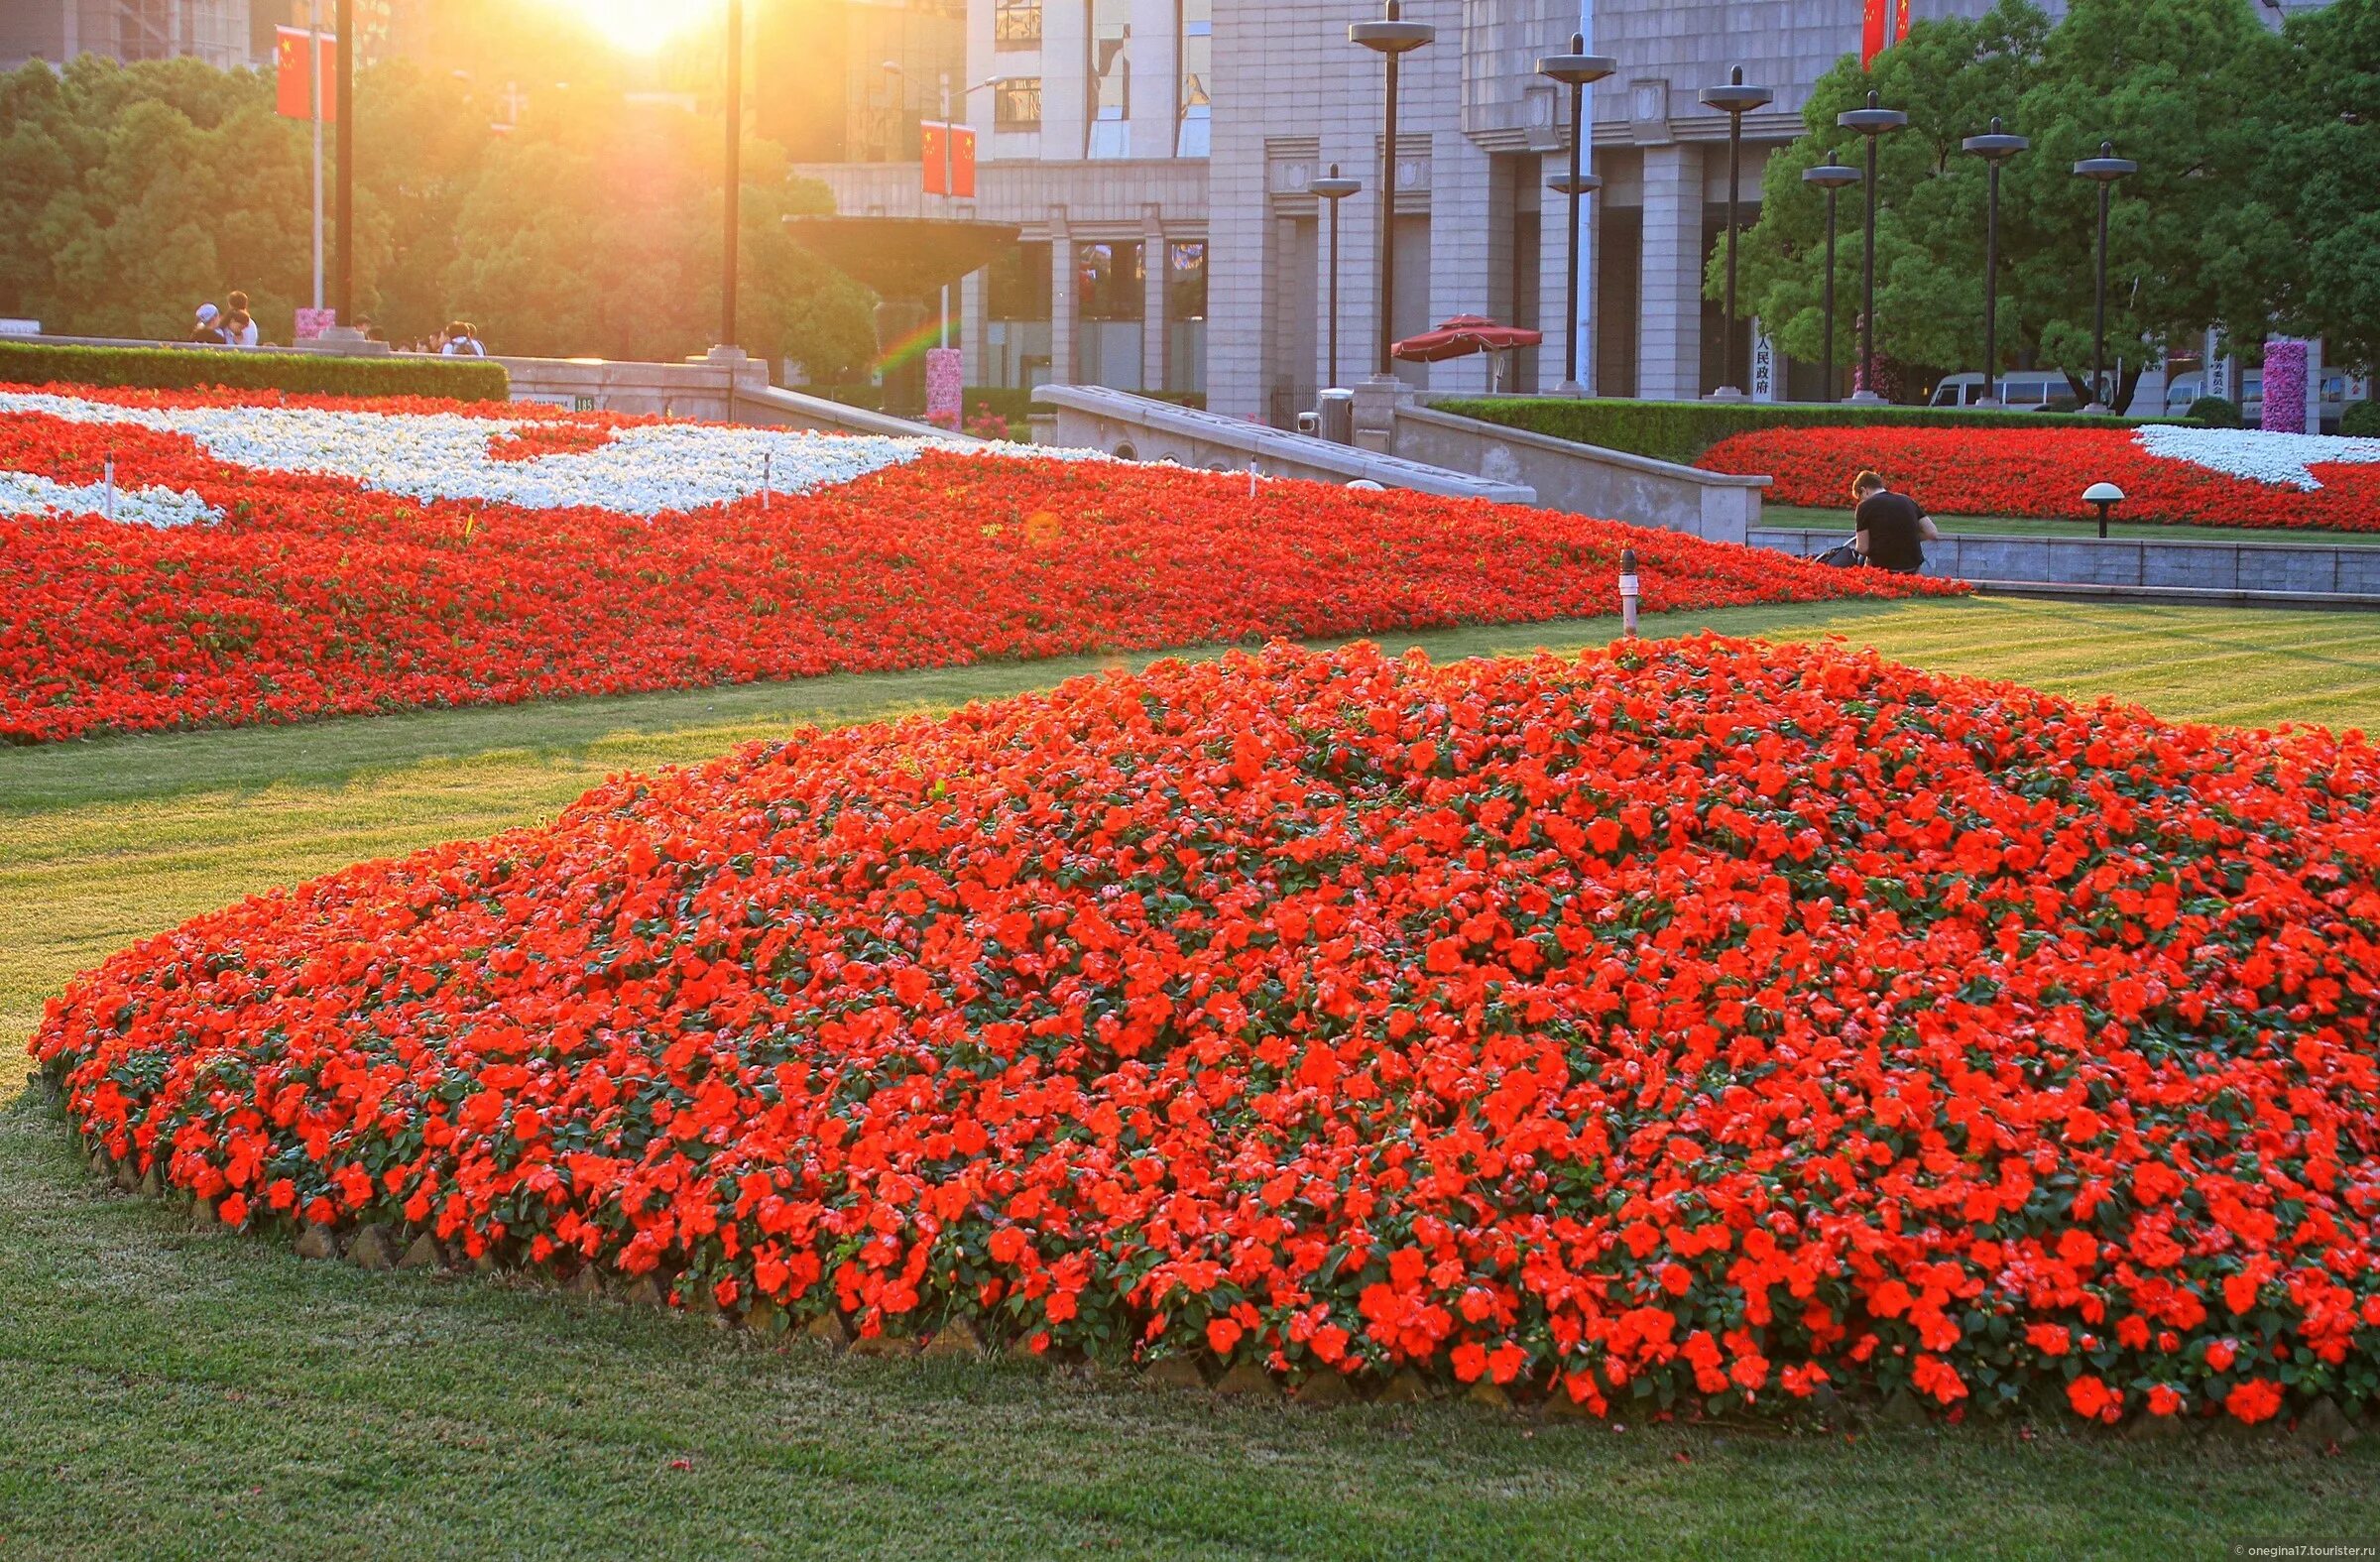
(171, 1393)
(1840, 521)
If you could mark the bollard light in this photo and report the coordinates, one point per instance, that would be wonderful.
(1628, 591)
(2107, 496)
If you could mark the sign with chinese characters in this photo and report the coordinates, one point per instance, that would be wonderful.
(1764, 365)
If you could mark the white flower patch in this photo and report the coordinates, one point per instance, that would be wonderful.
(24, 494)
(2284, 461)
(643, 471)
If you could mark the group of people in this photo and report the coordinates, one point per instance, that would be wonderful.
(230, 327)
(459, 339)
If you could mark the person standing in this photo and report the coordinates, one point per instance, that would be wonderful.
(1893, 528)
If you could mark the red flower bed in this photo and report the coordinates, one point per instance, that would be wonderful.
(318, 596)
(2042, 472)
(1704, 1023)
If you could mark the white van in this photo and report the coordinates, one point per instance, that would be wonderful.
(2019, 390)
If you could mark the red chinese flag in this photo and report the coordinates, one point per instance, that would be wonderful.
(933, 147)
(1872, 37)
(292, 87)
(962, 161)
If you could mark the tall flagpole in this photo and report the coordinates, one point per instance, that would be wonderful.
(314, 78)
(345, 106)
(1582, 329)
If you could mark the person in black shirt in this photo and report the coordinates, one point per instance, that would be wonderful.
(1893, 528)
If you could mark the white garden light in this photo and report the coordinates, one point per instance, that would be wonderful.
(2107, 496)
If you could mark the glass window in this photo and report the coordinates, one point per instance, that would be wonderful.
(1017, 23)
(1111, 80)
(1016, 103)
(1186, 280)
(1108, 279)
(1194, 112)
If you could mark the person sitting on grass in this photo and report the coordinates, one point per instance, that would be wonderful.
(1893, 528)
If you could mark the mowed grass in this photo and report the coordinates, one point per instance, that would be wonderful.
(1816, 519)
(173, 1393)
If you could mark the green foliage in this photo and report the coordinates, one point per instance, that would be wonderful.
(2321, 174)
(2214, 412)
(2191, 242)
(131, 194)
(1682, 431)
(2361, 420)
(305, 374)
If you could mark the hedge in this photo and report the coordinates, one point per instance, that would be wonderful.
(1682, 431)
(301, 373)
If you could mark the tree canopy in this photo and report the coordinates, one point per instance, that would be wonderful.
(2249, 176)
(131, 194)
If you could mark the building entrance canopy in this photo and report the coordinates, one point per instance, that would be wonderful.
(902, 258)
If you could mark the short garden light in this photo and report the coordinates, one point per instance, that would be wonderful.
(2107, 496)
(1627, 591)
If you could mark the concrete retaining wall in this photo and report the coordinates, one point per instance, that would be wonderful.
(720, 389)
(1584, 479)
(1139, 429)
(2140, 562)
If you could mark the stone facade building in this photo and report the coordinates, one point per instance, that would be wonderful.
(216, 30)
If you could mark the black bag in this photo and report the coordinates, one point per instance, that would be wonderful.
(1843, 556)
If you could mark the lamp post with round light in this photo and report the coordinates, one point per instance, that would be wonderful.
(2103, 170)
(1331, 191)
(1873, 121)
(1833, 177)
(1391, 38)
(1995, 146)
(1576, 70)
(1734, 100)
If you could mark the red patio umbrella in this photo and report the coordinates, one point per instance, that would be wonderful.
(1462, 337)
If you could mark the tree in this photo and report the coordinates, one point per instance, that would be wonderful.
(2168, 79)
(2320, 175)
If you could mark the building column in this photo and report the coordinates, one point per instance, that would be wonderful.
(1669, 339)
(1153, 334)
(974, 317)
(1463, 249)
(1062, 273)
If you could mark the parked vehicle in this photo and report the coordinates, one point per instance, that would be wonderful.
(2019, 390)
(2341, 390)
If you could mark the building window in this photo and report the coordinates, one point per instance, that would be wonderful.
(1016, 103)
(1186, 280)
(1193, 113)
(1017, 23)
(1111, 282)
(1111, 80)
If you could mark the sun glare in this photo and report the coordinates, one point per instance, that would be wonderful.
(637, 27)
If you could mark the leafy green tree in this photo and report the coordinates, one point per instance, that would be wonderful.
(2319, 175)
(2169, 81)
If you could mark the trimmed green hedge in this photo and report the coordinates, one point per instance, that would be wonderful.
(2362, 420)
(1682, 431)
(301, 373)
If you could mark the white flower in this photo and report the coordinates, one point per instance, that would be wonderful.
(2282, 459)
(644, 470)
(24, 494)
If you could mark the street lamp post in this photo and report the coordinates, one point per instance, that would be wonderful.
(735, 171)
(1995, 146)
(1872, 122)
(1733, 100)
(2103, 170)
(1833, 177)
(1331, 191)
(1391, 38)
(1577, 70)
